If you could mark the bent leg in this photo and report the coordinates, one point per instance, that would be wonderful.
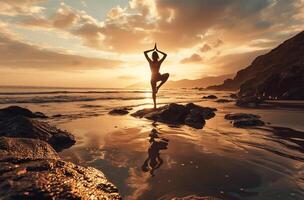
(154, 90)
(164, 78)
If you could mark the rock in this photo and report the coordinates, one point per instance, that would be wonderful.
(34, 171)
(23, 127)
(195, 119)
(210, 97)
(190, 114)
(172, 114)
(120, 111)
(249, 101)
(206, 112)
(143, 112)
(53, 179)
(57, 116)
(241, 120)
(223, 101)
(12, 111)
(238, 116)
(248, 122)
(294, 94)
(26, 149)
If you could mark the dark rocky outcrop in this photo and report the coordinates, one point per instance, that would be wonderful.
(249, 101)
(190, 114)
(30, 169)
(210, 97)
(278, 74)
(242, 120)
(12, 111)
(24, 127)
(120, 111)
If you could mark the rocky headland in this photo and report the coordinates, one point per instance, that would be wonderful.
(277, 75)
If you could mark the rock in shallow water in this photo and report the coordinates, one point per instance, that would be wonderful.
(248, 122)
(12, 111)
(210, 97)
(190, 114)
(242, 120)
(23, 127)
(120, 111)
(237, 116)
(30, 169)
(223, 101)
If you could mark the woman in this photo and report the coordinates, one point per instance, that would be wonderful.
(155, 64)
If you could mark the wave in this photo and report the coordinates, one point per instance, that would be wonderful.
(61, 99)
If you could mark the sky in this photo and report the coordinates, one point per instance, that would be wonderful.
(100, 43)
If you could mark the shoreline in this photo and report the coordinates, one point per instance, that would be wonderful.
(118, 145)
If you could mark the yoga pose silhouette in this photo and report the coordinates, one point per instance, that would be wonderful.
(155, 64)
(154, 161)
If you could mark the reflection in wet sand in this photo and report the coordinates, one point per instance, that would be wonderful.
(218, 161)
(154, 161)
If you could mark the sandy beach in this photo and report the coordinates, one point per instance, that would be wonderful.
(219, 160)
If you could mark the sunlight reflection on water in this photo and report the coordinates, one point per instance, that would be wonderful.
(219, 160)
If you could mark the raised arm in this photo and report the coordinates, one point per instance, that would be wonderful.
(147, 56)
(164, 55)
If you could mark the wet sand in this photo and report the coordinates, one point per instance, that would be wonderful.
(219, 160)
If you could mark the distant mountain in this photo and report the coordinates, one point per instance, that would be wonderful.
(186, 83)
(278, 74)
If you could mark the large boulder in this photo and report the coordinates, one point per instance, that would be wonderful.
(206, 112)
(242, 120)
(26, 149)
(23, 127)
(195, 119)
(12, 111)
(30, 169)
(190, 114)
(173, 114)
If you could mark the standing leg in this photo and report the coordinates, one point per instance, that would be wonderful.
(164, 78)
(153, 85)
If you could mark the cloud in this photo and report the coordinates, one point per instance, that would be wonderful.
(17, 54)
(194, 58)
(174, 24)
(20, 7)
(205, 48)
(218, 43)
